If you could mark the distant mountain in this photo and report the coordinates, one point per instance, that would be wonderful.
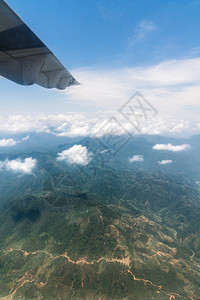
(29, 142)
(121, 149)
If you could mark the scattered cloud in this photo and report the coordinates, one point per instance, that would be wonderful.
(26, 138)
(141, 32)
(1, 165)
(11, 142)
(170, 147)
(7, 142)
(105, 151)
(165, 162)
(75, 155)
(136, 158)
(18, 165)
(144, 28)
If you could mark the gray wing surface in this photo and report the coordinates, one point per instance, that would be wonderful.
(24, 58)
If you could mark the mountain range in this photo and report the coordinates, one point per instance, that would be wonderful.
(116, 223)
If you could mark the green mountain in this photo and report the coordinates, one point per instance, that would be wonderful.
(106, 230)
(121, 235)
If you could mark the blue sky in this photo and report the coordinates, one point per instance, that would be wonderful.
(147, 45)
(108, 33)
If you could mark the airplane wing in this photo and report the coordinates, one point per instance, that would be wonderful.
(24, 58)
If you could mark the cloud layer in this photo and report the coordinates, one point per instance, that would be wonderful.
(75, 155)
(171, 86)
(89, 124)
(170, 147)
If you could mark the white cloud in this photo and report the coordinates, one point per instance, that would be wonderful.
(89, 124)
(144, 28)
(17, 165)
(11, 142)
(141, 32)
(170, 147)
(136, 158)
(1, 165)
(7, 142)
(165, 162)
(170, 86)
(104, 151)
(26, 138)
(78, 154)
